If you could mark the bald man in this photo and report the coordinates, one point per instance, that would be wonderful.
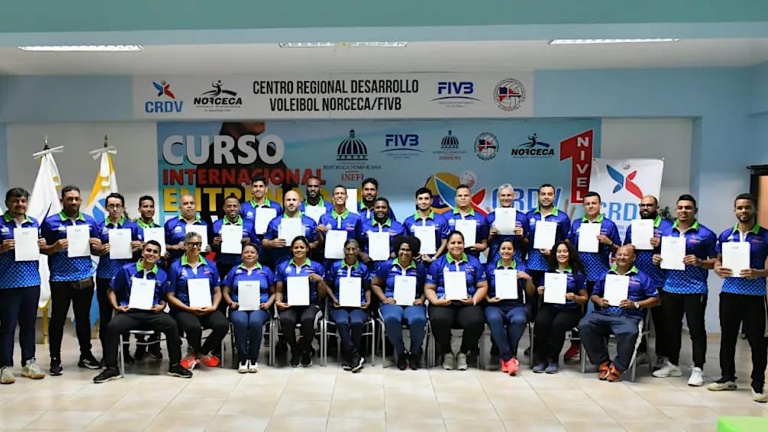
(281, 230)
(176, 228)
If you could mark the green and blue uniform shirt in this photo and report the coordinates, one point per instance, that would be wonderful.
(181, 272)
(17, 274)
(123, 281)
(176, 229)
(640, 288)
(273, 231)
(473, 270)
(391, 269)
(108, 268)
(757, 238)
(340, 269)
(391, 226)
(437, 221)
(259, 273)
(596, 263)
(644, 260)
(701, 242)
(490, 271)
(518, 241)
(235, 259)
(481, 228)
(288, 269)
(537, 261)
(63, 268)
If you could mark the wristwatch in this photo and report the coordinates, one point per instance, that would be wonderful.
(637, 305)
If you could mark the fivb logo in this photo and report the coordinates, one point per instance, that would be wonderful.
(625, 182)
(401, 146)
(447, 90)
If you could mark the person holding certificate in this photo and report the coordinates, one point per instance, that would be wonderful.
(284, 228)
(564, 293)
(348, 288)
(685, 287)
(187, 221)
(194, 296)
(19, 285)
(314, 205)
(258, 200)
(510, 227)
(399, 286)
(119, 240)
(426, 225)
(455, 286)
(71, 237)
(238, 232)
(338, 226)
(472, 225)
(619, 297)
(299, 288)
(506, 312)
(595, 238)
(137, 294)
(377, 246)
(741, 262)
(368, 199)
(249, 291)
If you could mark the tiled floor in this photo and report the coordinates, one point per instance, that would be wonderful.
(329, 399)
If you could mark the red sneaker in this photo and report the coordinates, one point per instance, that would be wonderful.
(504, 367)
(512, 366)
(210, 361)
(573, 352)
(189, 362)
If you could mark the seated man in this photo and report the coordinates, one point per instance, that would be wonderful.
(127, 318)
(625, 320)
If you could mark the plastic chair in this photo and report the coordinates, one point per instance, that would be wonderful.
(369, 330)
(383, 335)
(276, 331)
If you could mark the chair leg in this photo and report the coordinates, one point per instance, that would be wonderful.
(530, 341)
(383, 346)
(373, 343)
(582, 358)
(121, 354)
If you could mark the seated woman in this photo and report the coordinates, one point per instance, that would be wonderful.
(415, 314)
(350, 319)
(294, 303)
(455, 286)
(248, 317)
(506, 305)
(192, 319)
(555, 319)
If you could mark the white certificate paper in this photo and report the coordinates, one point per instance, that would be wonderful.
(352, 200)
(506, 220)
(468, 228)
(555, 287)
(298, 290)
(78, 237)
(289, 229)
(232, 239)
(378, 245)
(334, 244)
(314, 212)
(120, 244)
(616, 289)
(506, 284)
(26, 248)
(588, 233)
(350, 291)
(544, 237)
(249, 295)
(405, 290)
(199, 292)
(156, 234)
(142, 293)
(736, 256)
(426, 235)
(455, 285)
(672, 253)
(642, 233)
(263, 216)
(202, 231)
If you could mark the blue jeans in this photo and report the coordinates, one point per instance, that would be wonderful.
(18, 305)
(512, 315)
(415, 316)
(597, 326)
(349, 323)
(248, 331)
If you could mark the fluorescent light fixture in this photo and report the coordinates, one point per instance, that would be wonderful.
(607, 41)
(343, 44)
(82, 48)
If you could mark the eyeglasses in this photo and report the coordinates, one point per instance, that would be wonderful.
(195, 244)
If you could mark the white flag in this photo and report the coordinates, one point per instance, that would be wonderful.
(105, 184)
(44, 202)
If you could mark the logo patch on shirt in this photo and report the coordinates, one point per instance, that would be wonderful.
(5, 230)
(177, 229)
(62, 228)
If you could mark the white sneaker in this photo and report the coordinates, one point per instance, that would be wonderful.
(32, 370)
(697, 377)
(448, 361)
(668, 370)
(660, 362)
(253, 366)
(758, 394)
(461, 362)
(722, 385)
(242, 367)
(6, 375)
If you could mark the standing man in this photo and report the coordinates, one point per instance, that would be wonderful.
(225, 261)
(685, 291)
(597, 263)
(147, 220)
(258, 199)
(314, 205)
(19, 290)
(464, 211)
(275, 240)
(426, 217)
(519, 239)
(340, 218)
(370, 193)
(743, 298)
(381, 222)
(71, 278)
(176, 228)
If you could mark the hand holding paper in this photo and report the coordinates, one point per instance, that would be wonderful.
(546, 232)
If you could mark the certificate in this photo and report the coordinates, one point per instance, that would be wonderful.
(672, 253)
(232, 239)
(120, 244)
(544, 236)
(289, 229)
(314, 212)
(426, 235)
(298, 290)
(642, 233)
(334, 244)
(78, 237)
(736, 256)
(468, 228)
(248, 295)
(588, 233)
(378, 245)
(202, 231)
(506, 220)
(616, 289)
(199, 292)
(350, 291)
(506, 284)
(555, 287)
(352, 200)
(156, 234)
(26, 248)
(405, 290)
(142, 293)
(264, 215)
(455, 285)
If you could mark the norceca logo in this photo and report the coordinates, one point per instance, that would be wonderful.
(533, 148)
(162, 104)
(219, 97)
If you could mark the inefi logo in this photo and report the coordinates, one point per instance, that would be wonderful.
(533, 148)
(486, 146)
(163, 106)
(352, 159)
(455, 94)
(401, 146)
(623, 182)
(509, 94)
(449, 148)
(218, 99)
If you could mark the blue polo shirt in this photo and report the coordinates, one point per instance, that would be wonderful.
(437, 221)
(490, 271)
(644, 260)
(248, 209)
(176, 229)
(181, 271)
(391, 226)
(326, 205)
(259, 273)
(537, 261)
(366, 213)
(596, 263)
(347, 221)
(481, 228)
(108, 268)
(758, 252)
(575, 283)
(17, 274)
(474, 271)
(289, 268)
(234, 259)
(63, 268)
(389, 270)
(273, 231)
(640, 288)
(142, 226)
(339, 269)
(518, 241)
(699, 241)
(123, 280)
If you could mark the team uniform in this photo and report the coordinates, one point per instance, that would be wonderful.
(518, 241)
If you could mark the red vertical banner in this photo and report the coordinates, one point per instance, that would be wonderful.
(578, 149)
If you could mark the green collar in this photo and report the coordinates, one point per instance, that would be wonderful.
(299, 215)
(451, 260)
(307, 263)
(471, 211)
(320, 203)
(197, 218)
(555, 210)
(694, 227)
(598, 220)
(120, 222)
(411, 265)
(7, 216)
(64, 217)
(343, 215)
(242, 266)
(633, 270)
(239, 221)
(657, 221)
(354, 266)
(184, 261)
(417, 216)
(139, 267)
(267, 203)
(143, 225)
(755, 229)
(387, 223)
(500, 265)
(567, 270)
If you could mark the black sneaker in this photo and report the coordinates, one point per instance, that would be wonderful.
(89, 362)
(156, 352)
(402, 361)
(414, 360)
(346, 364)
(306, 359)
(178, 371)
(107, 374)
(295, 358)
(56, 368)
(128, 358)
(141, 352)
(357, 363)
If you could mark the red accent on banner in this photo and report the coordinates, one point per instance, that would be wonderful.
(578, 149)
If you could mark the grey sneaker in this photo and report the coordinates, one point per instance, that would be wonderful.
(32, 370)
(552, 368)
(461, 362)
(448, 361)
(6, 375)
(758, 394)
(539, 367)
(722, 385)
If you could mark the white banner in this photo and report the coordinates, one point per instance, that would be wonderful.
(335, 96)
(622, 183)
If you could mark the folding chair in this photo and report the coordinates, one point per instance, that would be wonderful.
(267, 332)
(276, 331)
(404, 326)
(644, 332)
(369, 330)
(121, 354)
